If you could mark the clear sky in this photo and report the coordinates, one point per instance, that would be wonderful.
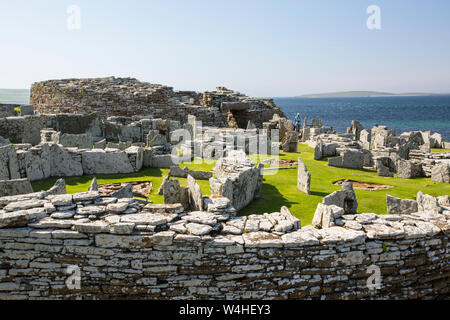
(259, 47)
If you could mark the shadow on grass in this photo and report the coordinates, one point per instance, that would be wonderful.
(319, 194)
(271, 200)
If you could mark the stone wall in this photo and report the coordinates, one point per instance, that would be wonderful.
(130, 97)
(27, 129)
(126, 249)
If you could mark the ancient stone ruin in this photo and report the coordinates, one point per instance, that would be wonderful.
(128, 248)
(127, 97)
(197, 245)
(407, 155)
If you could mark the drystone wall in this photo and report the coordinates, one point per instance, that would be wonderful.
(27, 129)
(82, 246)
(130, 97)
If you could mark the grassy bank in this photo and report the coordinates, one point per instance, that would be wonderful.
(280, 188)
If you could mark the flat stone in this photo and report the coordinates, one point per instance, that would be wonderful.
(20, 218)
(200, 218)
(122, 228)
(48, 223)
(91, 210)
(85, 196)
(61, 199)
(92, 227)
(24, 205)
(144, 218)
(63, 214)
(198, 229)
(117, 207)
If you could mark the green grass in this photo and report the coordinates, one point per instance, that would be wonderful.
(440, 150)
(281, 188)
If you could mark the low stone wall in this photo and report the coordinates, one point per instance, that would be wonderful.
(53, 160)
(27, 129)
(128, 250)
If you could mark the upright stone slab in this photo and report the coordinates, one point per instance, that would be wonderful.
(303, 177)
(353, 159)
(102, 162)
(318, 150)
(195, 194)
(441, 172)
(355, 128)
(364, 139)
(344, 198)
(9, 165)
(64, 163)
(408, 169)
(237, 179)
(82, 141)
(400, 206)
(425, 202)
(174, 193)
(15, 187)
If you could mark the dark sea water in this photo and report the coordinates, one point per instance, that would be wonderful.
(399, 113)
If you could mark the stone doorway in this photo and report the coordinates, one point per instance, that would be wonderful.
(237, 119)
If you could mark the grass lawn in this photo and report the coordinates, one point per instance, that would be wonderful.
(281, 188)
(440, 150)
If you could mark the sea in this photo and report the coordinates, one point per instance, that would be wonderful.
(402, 113)
(406, 113)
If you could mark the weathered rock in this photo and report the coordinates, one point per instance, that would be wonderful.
(15, 187)
(15, 219)
(163, 161)
(236, 179)
(400, 206)
(24, 205)
(82, 141)
(92, 227)
(125, 192)
(351, 159)
(385, 167)
(9, 166)
(408, 169)
(325, 215)
(195, 194)
(427, 203)
(318, 150)
(198, 229)
(63, 163)
(94, 185)
(102, 162)
(303, 177)
(200, 217)
(154, 138)
(441, 172)
(344, 198)
(174, 193)
(364, 138)
(436, 141)
(290, 141)
(61, 200)
(136, 157)
(355, 128)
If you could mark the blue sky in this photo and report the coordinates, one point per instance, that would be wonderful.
(259, 47)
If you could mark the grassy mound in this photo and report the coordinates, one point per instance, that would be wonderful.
(281, 188)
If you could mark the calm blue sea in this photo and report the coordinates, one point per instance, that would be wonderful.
(399, 113)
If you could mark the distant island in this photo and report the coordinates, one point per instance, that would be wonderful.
(362, 94)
